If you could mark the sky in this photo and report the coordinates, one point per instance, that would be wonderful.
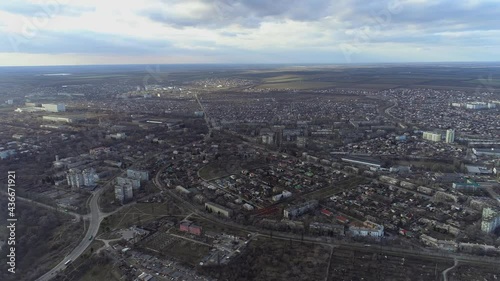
(75, 32)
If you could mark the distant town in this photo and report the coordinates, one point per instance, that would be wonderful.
(262, 175)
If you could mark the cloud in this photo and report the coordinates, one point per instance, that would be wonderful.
(48, 9)
(253, 30)
(245, 13)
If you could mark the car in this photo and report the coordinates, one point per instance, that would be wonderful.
(91, 236)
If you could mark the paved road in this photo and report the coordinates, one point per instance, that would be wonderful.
(207, 136)
(445, 272)
(95, 219)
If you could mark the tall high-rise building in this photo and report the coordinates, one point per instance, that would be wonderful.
(75, 178)
(78, 179)
(431, 136)
(491, 220)
(450, 136)
(138, 174)
(119, 194)
(124, 193)
(89, 177)
(129, 192)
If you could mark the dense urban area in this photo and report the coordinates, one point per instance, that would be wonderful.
(321, 173)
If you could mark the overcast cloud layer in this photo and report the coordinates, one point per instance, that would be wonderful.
(54, 32)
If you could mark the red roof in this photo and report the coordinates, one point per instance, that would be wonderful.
(341, 218)
(326, 212)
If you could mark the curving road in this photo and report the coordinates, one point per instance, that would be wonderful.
(95, 219)
(445, 272)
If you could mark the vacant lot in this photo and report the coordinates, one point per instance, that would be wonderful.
(138, 214)
(163, 243)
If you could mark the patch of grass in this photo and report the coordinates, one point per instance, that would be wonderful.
(217, 228)
(299, 85)
(138, 214)
(101, 272)
(186, 251)
(213, 170)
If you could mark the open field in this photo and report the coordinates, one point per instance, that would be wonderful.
(101, 272)
(183, 250)
(463, 76)
(139, 213)
(379, 77)
(217, 228)
(213, 170)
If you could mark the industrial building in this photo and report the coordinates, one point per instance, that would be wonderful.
(480, 105)
(368, 228)
(37, 107)
(486, 151)
(49, 107)
(431, 136)
(477, 170)
(138, 174)
(450, 136)
(362, 161)
(491, 220)
(57, 119)
(295, 211)
(468, 185)
(218, 209)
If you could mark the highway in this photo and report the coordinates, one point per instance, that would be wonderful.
(95, 219)
(207, 136)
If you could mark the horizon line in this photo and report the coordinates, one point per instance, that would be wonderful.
(262, 64)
